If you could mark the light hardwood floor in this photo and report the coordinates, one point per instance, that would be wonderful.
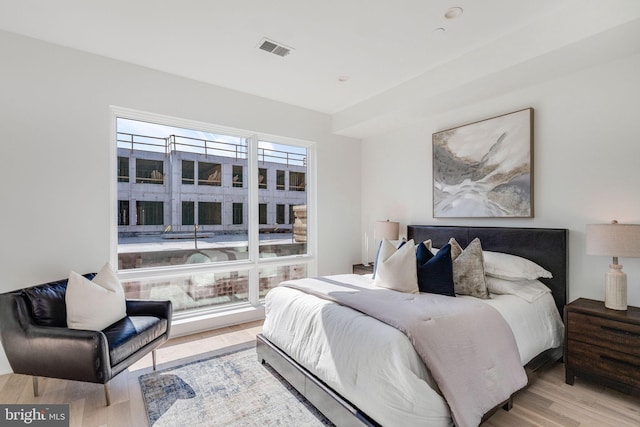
(548, 401)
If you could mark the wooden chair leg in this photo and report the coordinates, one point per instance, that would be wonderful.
(153, 356)
(107, 395)
(35, 386)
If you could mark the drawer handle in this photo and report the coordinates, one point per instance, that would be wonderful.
(621, 362)
(619, 331)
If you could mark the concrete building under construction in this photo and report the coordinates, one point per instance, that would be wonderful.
(173, 184)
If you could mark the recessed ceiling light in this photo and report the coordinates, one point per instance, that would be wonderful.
(343, 78)
(438, 31)
(453, 12)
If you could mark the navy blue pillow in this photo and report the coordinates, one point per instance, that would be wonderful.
(435, 272)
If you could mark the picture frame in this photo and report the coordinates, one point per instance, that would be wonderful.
(484, 169)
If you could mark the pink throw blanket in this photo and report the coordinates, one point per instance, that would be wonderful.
(467, 345)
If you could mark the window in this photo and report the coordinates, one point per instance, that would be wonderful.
(123, 169)
(262, 213)
(149, 213)
(270, 277)
(209, 213)
(149, 171)
(296, 181)
(188, 172)
(281, 158)
(123, 212)
(209, 174)
(279, 180)
(237, 213)
(262, 178)
(203, 239)
(236, 176)
(280, 214)
(188, 213)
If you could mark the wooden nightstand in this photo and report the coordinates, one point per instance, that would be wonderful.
(602, 345)
(363, 269)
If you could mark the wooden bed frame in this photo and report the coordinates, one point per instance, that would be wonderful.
(547, 247)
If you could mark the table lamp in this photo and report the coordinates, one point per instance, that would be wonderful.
(615, 240)
(382, 230)
(386, 230)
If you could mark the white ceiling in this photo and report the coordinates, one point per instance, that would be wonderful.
(388, 49)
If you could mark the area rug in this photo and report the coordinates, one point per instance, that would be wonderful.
(231, 389)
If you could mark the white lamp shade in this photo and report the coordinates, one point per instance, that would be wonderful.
(386, 230)
(618, 240)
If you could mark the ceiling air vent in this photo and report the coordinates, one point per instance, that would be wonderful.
(274, 47)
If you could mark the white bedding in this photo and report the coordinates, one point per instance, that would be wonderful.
(374, 365)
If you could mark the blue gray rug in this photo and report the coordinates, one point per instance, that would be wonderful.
(232, 389)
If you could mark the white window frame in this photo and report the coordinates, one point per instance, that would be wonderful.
(210, 318)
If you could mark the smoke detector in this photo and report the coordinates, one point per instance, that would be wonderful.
(274, 47)
(453, 12)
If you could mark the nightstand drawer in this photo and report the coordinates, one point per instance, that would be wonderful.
(620, 367)
(618, 336)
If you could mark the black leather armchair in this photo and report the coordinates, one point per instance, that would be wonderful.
(37, 341)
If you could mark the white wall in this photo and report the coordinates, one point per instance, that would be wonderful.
(54, 117)
(587, 153)
(54, 160)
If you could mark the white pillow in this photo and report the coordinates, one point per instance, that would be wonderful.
(512, 267)
(395, 243)
(94, 304)
(396, 268)
(528, 290)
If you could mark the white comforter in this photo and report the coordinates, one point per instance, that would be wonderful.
(374, 365)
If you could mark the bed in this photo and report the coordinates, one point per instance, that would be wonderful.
(359, 371)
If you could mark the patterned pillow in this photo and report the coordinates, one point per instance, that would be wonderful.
(468, 269)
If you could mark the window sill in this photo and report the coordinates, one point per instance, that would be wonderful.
(190, 323)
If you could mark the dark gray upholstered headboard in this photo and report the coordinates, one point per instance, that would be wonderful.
(547, 247)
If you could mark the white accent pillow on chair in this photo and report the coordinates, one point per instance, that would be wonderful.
(94, 304)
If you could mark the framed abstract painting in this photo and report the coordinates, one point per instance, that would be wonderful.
(485, 169)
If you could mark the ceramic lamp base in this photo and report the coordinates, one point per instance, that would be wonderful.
(615, 296)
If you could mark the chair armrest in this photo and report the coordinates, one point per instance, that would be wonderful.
(158, 308)
(70, 354)
(142, 307)
(79, 355)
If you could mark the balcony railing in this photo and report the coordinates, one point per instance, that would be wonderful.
(207, 147)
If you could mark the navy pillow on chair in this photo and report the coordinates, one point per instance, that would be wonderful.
(435, 272)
